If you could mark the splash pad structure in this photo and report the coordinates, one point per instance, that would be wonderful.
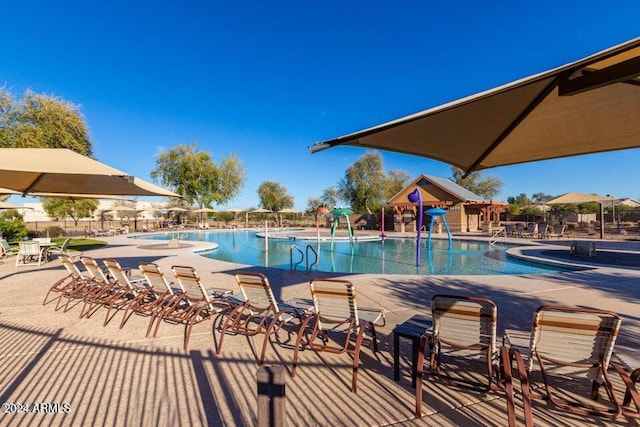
(414, 197)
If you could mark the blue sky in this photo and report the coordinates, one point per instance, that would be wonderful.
(267, 79)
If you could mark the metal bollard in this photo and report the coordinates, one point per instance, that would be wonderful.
(271, 396)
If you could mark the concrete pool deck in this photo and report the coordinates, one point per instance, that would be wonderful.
(118, 377)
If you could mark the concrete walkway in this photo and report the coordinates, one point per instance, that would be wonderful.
(107, 376)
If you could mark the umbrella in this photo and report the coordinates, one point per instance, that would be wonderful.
(261, 210)
(178, 209)
(589, 106)
(40, 171)
(203, 210)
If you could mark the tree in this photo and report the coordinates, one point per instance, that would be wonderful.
(488, 187)
(313, 203)
(330, 197)
(396, 181)
(540, 197)
(196, 177)
(42, 121)
(522, 200)
(274, 196)
(364, 183)
(75, 209)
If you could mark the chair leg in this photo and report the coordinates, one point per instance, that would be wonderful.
(303, 327)
(419, 374)
(356, 358)
(234, 317)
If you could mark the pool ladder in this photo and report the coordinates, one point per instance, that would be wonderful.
(303, 256)
(498, 236)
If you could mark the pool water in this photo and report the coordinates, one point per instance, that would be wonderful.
(391, 256)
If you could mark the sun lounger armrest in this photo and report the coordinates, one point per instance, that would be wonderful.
(631, 393)
(372, 315)
(219, 292)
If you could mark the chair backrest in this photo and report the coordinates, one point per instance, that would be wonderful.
(532, 227)
(71, 267)
(43, 240)
(568, 335)
(520, 227)
(465, 321)
(155, 277)
(29, 248)
(559, 230)
(335, 303)
(5, 245)
(94, 270)
(118, 274)
(65, 244)
(256, 291)
(189, 282)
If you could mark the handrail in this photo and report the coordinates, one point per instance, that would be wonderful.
(495, 237)
(291, 249)
(315, 261)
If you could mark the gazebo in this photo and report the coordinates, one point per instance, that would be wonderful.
(466, 211)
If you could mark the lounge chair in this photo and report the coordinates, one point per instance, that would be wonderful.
(335, 310)
(70, 285)
(532, 230)
(169, 298)
(108, 293)
(6, 250)
(29, 253)
(257, 312)
(462, 327)
(571, 347)
(202, 303)
(519, 230)
(545, 230)
(558, 231)
(509, 230)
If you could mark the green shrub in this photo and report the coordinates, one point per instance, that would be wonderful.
(54, 231)
(12, 227)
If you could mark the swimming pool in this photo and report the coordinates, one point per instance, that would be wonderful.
(391, 256)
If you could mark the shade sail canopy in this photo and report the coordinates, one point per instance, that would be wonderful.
(589, 106)
(51, 171)
(7, 205)
(575, 198)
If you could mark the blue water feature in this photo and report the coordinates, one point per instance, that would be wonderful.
(390, 256)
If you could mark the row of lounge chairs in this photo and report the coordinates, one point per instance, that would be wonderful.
(576, 343)
(534, 230)
(573, 344)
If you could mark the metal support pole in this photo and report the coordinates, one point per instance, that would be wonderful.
(271, 396)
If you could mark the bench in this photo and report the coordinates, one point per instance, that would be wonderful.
(583, 249)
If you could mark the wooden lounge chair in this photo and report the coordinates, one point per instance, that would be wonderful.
(29, 253)
(201, 303)
(462, 327)
(572, 348)
(257, 312)
(335, 310)
(70, 285)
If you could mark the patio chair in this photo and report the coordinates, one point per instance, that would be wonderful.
(59, 250)
(257, 311)
(571, 347)
(509, 230)
(335, 310)
(169, 297)
(519, 230)
(29, 253)
(6, 250)
(558, 231)
(532, 230)
(545, 230)
(462, 327)
(70, 285)
(202, 303)
(108, 293)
